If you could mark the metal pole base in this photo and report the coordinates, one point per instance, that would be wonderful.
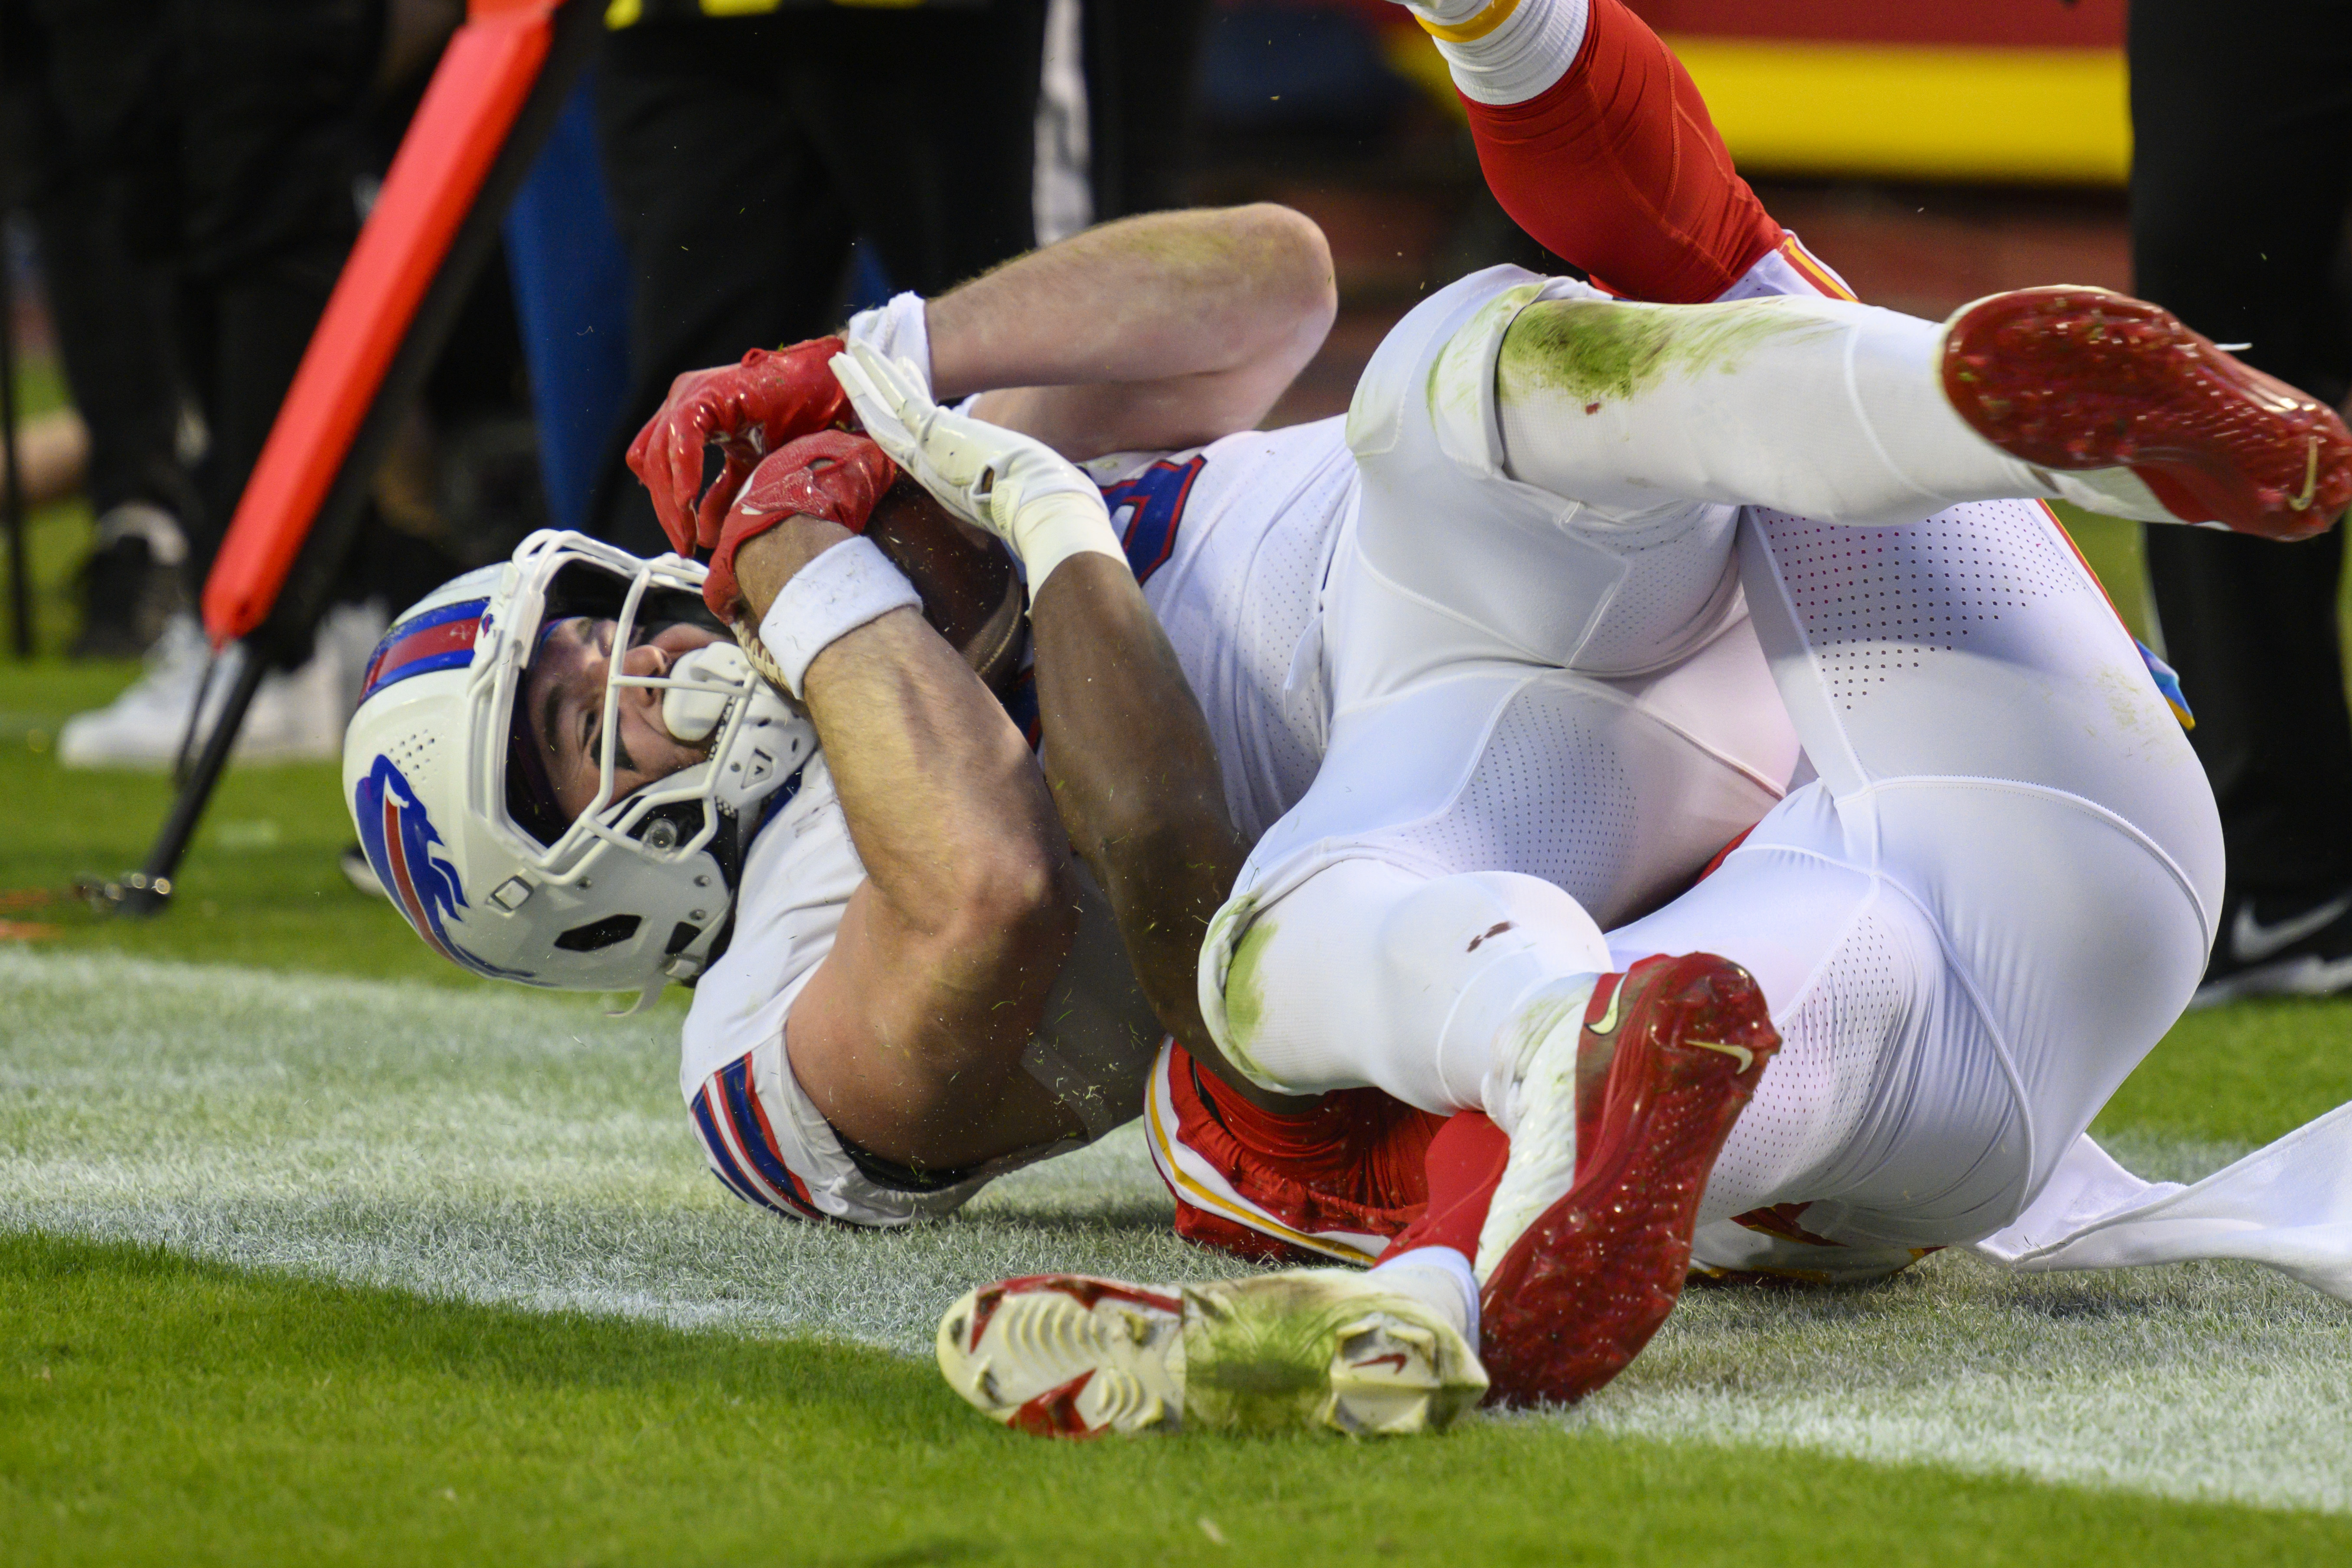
(147, 892)
(137, 896)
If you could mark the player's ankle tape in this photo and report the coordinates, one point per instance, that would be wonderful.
(843, 589)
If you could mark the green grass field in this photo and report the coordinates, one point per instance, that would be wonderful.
(313, 1250)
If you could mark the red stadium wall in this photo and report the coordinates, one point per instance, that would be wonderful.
(1952, 23)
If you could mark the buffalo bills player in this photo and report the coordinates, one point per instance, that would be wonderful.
(1103, 340)
(1929, 920)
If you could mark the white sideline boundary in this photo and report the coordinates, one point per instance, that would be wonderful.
(527, 1151)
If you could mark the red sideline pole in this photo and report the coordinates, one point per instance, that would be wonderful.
(485, 75)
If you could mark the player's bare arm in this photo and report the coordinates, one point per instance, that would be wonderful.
(909, 1035)
(1134, 777)
(1150, 334)
(1128, 753)
(1159, 331)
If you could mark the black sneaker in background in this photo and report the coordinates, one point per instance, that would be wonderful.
(131, 584)
(2280, 945)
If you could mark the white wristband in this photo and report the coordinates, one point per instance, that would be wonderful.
(899, 330)
(833, 595)
(1049, 529)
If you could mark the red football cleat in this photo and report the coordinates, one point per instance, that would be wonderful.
(1577, 1294)
(2074, 380)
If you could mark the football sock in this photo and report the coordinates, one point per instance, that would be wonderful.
(1439, 1275)
(1465, 1163)
(1503, 51)
(1610, 161)
(1821, 407)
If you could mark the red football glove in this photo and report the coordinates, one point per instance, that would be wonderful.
(831, 474)
(748, 410)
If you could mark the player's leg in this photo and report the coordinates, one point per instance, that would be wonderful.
(1995, 900)
(1593, 137)
(1443, 876)
(1596, 142)
(1846, 413)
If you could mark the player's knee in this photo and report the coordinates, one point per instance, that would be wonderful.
(1365, 951)
(1438, 927)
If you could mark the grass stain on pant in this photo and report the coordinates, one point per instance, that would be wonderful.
(1595, 351)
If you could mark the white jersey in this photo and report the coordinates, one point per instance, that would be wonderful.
(1231, 542)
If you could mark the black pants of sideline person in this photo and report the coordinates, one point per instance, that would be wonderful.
(744, 155)
(93, 148)
(2241, 173)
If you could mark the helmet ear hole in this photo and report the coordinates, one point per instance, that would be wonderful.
(597, 936)
(665, 828)
(681, 937)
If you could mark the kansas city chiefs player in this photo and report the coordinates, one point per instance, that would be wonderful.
(1477, 673)
(1962, 927)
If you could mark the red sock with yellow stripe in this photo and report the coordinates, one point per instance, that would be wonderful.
(1615, 166)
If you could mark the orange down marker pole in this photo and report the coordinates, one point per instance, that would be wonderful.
(484, 77)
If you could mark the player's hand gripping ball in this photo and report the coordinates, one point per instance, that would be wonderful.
(1012, 485)
(748, 411)
(830, 474)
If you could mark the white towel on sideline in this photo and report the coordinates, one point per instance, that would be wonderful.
(2288, 1204)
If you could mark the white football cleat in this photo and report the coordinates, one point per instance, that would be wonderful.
(1067, 1356)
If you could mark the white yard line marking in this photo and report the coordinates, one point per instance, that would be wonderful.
(525, 1151)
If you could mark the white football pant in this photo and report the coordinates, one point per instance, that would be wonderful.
(1606, 579)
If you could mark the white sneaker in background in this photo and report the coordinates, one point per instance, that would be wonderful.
(142, 728)
(350, 633)
(296, 715)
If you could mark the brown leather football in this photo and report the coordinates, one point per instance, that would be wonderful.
(970, 591)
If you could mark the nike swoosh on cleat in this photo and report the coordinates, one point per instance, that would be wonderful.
(1740, 1054)
(2250, 941)
(1396, 1356)
(1609, 1019)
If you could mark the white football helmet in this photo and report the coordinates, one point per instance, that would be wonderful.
(462, 828)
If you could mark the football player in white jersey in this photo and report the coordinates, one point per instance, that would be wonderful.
(1988, 895)
(1120, 340)
(569, 776)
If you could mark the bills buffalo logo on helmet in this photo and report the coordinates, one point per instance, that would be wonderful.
(399, 839)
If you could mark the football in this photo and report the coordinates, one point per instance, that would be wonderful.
(971, 592)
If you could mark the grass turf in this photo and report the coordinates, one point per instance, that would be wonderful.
(520, 1171)
(156, 1409)
(259, 886)
(516, 1151)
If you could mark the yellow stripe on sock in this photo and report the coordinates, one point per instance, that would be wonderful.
(1813, 271)
(1496, 13)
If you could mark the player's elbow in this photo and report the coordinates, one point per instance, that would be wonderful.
(1016, 891)
(1290, 269)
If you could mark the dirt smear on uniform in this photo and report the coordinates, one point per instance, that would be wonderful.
(1596, 351)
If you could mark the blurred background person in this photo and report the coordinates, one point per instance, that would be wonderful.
(748, 147)
(93, 146)
(196, 247)
(2240, 183)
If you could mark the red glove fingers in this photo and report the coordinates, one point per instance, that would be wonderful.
(831, 474)
(748, 410)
